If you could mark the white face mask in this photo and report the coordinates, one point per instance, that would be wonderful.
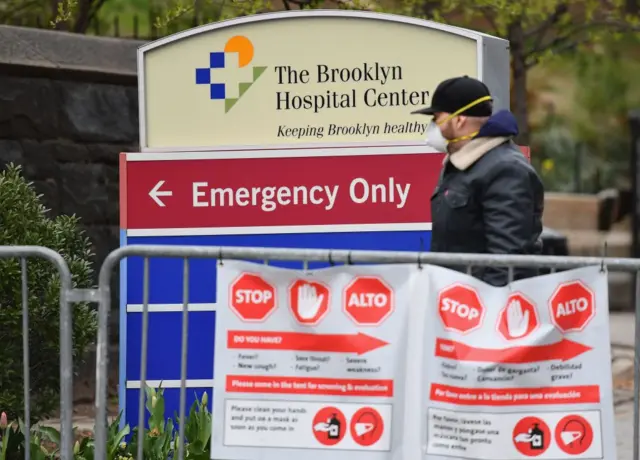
(435, 139)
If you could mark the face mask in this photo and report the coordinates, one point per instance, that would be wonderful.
(434, 137)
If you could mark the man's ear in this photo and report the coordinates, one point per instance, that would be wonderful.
(459, 122)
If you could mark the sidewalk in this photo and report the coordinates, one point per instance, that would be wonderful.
(622, 327)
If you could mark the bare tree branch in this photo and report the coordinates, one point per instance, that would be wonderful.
(489, 18)
(574, 33)
(575, 37)
(540, 30)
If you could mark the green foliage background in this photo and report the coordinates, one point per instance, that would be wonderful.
(24, 221)
(582, 142)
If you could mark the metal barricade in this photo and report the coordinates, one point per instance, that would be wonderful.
(66, 349)
(308, 255)
(102, 295)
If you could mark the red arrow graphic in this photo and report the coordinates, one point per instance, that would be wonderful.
(563, 351)
(301, 341)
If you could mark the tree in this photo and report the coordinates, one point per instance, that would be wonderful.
(536, 29)
(24, 221)
(69, 15)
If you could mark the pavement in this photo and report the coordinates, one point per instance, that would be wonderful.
(622, 328)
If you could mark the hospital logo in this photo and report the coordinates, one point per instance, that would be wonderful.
(229, 74)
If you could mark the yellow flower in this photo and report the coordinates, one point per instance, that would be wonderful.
(76, 447)
(547, 165)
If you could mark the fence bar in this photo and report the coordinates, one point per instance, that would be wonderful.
(143, 358)
(183, 359)
(636, 374)
(381, 257)
(25, 359)
(66, 351)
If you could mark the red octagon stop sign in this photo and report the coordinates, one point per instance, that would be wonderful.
(368, 300)
(572, 306)
(252, 298)
(460, 308)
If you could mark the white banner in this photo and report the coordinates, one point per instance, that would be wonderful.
(397, 362)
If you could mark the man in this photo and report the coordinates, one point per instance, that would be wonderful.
(489, 199)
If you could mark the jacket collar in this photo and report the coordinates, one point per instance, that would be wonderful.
(473, 151)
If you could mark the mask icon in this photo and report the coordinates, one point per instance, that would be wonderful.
(573, 431)
(365, 424)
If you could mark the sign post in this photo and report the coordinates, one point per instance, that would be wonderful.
(289, 129)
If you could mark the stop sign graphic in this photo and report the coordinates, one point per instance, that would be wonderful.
(252, 298)
(572, 306)
(309, 301)
(368, 300)
(518, 318)
(460, 308)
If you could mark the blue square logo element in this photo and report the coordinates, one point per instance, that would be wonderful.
(218, 91)
(203, 76)
(216, 60)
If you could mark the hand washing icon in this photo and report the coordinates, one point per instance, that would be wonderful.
(329, 426)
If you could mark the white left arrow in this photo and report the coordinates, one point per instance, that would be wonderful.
(156, 193)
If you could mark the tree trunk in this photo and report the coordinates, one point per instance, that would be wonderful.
(519, 83)
(82, 16)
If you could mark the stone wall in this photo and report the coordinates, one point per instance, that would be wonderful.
(68, 107)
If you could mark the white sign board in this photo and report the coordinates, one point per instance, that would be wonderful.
(382, 362)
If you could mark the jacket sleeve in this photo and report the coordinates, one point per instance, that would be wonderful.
(509, 213)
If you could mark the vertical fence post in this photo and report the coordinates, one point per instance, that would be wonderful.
(634, 129)
(636, 373)
(25, 359)
(135, 27)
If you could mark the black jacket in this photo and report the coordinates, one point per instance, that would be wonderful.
(491, 205)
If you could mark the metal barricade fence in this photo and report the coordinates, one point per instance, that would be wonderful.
(102, 295)
(67, 296)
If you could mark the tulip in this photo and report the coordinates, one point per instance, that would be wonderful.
(3, 420)
(154, 401)
(76, 447)
(205, 398)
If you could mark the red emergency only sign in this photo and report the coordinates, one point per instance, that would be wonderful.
(292, 188)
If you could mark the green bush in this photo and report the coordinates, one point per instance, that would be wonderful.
(24, 221)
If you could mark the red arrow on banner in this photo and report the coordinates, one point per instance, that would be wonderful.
(563, 351)
(301, 341)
